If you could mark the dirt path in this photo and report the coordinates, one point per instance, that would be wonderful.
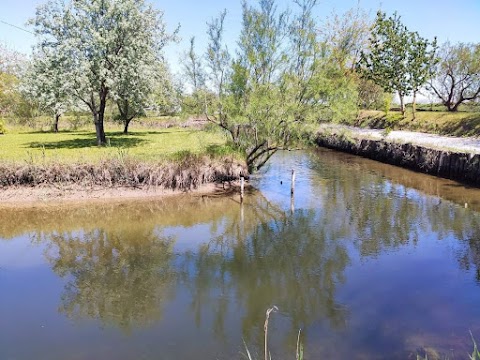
(437, 142)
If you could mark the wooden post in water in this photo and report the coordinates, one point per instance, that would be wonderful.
(242, 188)
(292, 190)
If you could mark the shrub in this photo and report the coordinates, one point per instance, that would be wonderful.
(3, 129)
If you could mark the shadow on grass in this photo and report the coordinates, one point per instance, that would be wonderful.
(146, 133)
(468, 126)
(116, 140)
(63, 131)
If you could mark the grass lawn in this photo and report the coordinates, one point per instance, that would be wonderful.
(437, 122)
(75, 146)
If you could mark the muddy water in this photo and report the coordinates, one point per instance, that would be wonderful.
(369, 260)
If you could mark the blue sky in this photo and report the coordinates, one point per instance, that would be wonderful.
(455, 21)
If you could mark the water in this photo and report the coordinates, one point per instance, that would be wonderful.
(369, 261)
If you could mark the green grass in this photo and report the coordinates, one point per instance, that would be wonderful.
(463, 123)
(74, 146)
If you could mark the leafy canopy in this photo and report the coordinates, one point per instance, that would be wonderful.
(104, 47)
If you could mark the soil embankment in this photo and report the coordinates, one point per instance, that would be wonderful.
(448, 157)
(125, 178)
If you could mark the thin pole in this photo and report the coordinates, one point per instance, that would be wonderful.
(292, 191)
(242, 188)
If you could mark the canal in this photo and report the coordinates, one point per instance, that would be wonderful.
(370, 261)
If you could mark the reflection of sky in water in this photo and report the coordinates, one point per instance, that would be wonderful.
(365, 265)
(19, 253)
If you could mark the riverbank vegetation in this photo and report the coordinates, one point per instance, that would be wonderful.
(170, 157)
(288, 71)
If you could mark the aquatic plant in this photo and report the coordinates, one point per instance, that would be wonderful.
(266, 352)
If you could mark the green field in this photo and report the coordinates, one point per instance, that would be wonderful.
(146, 144)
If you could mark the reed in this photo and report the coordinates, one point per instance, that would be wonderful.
(266, 352)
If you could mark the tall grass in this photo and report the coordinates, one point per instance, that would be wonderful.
(266, 352)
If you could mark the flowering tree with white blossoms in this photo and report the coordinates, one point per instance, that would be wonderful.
(105, 48)
(47, 86)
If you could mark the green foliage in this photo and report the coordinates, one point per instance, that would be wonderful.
(347, 35)
(45, 85)
(387, 103)
(370, 95)
(25, 111)
(103, 56)
(3, 129)
(9, 96)
(398, 60)
(282, 78)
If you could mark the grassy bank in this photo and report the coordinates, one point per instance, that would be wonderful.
(465, 123)
(74, 146)
(172, 158)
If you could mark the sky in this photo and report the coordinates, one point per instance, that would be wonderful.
(454, 21)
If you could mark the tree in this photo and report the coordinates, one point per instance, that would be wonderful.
(386, 63)
(282, 77)
(457, 74)
(398, 60)
(421, 62)
(140, 87)
(106, 44)
(166, 97)
(347, 35)
(193, 71)
(140, 77)
(48, 86)
(320, 68)
(11, 66)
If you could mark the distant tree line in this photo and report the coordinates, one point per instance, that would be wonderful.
(288, 70)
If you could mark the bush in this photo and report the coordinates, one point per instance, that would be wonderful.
(3, 130)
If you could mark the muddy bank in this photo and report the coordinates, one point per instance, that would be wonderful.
(450, 164)
(110, 179)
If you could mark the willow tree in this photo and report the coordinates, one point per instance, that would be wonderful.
(278, 80)
(106, 45)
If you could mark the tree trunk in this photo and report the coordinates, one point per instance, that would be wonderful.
(55, 123)
(402, 104)
(99, 118)
(101, 138)
(454, 108)
(126, 122)
(414, 105)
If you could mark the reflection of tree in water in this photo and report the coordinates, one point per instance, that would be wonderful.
(384, 215)
(298, 262)
(256, 257)
(294, 263)
(120, 278)
(469, 257)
